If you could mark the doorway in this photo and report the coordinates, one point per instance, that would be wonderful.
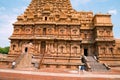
(85, 52)
(26, 49)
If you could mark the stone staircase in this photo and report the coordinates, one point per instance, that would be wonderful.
(94, 65)
(24, 61)
(17, 61)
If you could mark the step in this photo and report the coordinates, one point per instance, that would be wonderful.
(91, 59)
(65, 58)
(95, 66)
(62, 63)
(36, 56)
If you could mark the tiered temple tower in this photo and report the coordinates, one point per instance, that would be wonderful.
(64, 35)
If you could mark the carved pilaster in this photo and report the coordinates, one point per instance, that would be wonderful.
(68, 49)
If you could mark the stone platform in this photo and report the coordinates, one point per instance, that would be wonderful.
(63, 75)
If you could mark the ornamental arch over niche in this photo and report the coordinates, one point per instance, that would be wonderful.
(49, 30)
(75, 49)
(38, 31)
(17, 30)
(62, 31)
(27, 30)
(75, 31)
(62, 49)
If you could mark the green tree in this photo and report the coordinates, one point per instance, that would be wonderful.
(1, 50)
(4, 50)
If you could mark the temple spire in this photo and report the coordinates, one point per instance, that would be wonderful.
(61, 4)
(41, 7)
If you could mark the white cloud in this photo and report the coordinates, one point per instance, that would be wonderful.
(112, 11)
(6, 28)
(6, 21)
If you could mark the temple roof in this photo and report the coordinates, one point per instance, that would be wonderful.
(52, 10)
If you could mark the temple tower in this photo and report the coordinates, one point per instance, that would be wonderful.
(60, 35)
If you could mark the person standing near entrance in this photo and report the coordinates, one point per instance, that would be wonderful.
(13, 64)
(82, 68)
(79, 69)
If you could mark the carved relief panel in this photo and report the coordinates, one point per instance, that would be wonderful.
(50, 31)
(85, 34)
(62, 30)
(104, 32)
(28, 30)
(61, 48)
(38, 30)
(75, 31)
(14, 47)
(17, 30)
(109, 32)
(75, 49)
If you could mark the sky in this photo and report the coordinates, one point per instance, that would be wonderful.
(10, 9)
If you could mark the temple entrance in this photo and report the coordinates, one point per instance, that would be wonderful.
(43, 47)
(26, 49)
(85, 52)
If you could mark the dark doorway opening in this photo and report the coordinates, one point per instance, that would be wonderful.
(85, 52)
(45, 18)
(26, 50)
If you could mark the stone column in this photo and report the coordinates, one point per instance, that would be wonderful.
(40, 47)
(37, 48)
(47, 48)
(55, 48)
(82, 50)
(99, 50)
(68, 49)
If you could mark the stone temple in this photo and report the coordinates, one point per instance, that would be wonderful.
(56, 35)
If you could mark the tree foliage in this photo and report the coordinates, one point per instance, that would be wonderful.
(4, 50)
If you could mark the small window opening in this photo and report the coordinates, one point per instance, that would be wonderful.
(14, 47)
(45, 18)
(26, 50)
